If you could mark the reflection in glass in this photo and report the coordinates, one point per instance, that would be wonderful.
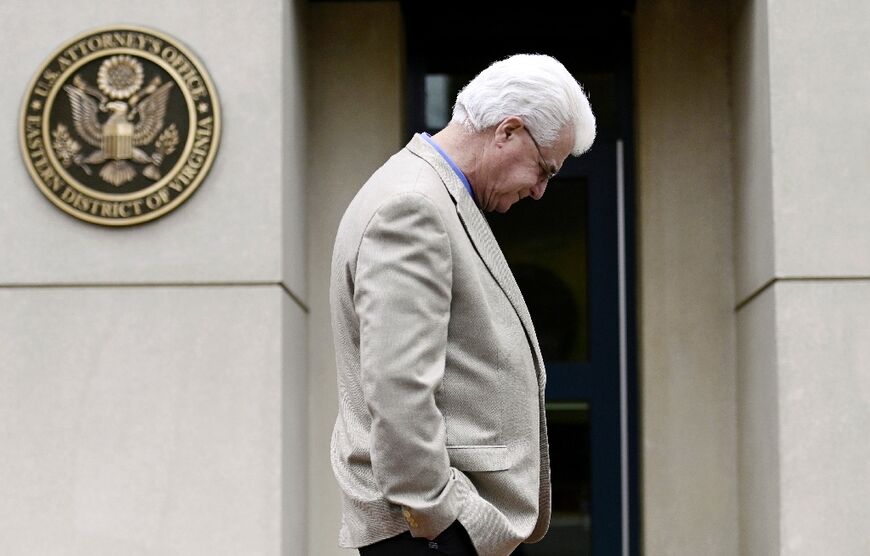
(544, 243)
(569, 535)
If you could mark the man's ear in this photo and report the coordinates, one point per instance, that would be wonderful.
(507, 128)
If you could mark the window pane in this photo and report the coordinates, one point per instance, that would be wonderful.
(569, 535)
(545, 245)
(440, 90)
(438, 101)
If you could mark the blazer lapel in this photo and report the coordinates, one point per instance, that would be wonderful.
(484, 241)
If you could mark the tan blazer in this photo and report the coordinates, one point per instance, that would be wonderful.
(440, 377)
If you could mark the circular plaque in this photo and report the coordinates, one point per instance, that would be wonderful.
(120, 126)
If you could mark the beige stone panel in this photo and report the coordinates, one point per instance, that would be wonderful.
(231, 228)
(819, 90)
(824, 411)
(355, 109)
(687, 330)
(295, 513)
(754, 252)
(758, 398)
(151, 421)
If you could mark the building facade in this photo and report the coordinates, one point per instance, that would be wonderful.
(169, 388)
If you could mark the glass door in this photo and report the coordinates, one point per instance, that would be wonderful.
(569, 254)
(562, 250)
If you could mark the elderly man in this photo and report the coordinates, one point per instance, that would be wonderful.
(440, 446)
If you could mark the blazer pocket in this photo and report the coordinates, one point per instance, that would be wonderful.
(479, 457)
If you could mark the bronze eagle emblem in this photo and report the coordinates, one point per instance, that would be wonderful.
(134, 121)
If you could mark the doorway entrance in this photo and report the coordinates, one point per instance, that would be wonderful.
(570, 252)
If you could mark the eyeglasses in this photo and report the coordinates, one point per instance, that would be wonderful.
(546, 170)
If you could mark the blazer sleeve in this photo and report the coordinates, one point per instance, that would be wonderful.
(402, 293)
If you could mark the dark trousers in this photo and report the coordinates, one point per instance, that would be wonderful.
(453, 541)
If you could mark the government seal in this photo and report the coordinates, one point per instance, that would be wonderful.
(120, 126)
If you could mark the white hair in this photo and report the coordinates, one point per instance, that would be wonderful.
(534, 87)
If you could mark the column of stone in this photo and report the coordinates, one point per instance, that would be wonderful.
(800, 88)
(153, 393)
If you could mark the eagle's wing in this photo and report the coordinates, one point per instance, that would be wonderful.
(152, 111)
(84, 111)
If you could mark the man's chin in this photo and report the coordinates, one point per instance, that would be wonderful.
(502, 209)
(499, 207)
(503, 205)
